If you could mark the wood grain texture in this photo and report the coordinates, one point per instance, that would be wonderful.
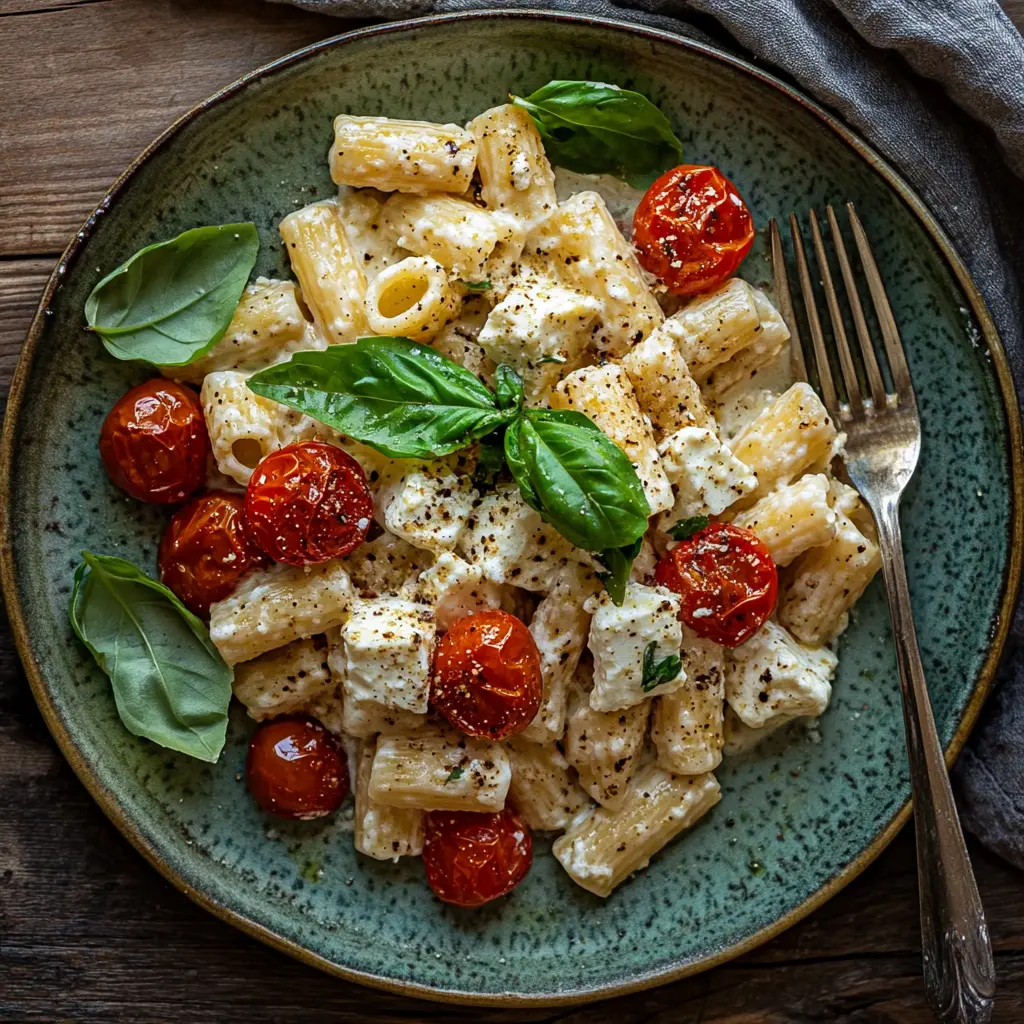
(88, 931)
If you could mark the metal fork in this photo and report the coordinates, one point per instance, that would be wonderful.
(883, 444)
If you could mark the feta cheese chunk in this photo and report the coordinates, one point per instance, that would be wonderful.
(540, 332)
(387, 643)
(620, 635)
(512, 544)
(429, 510)
(771, 675)
(707, 476)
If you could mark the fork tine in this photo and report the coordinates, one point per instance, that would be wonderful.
(867, 349)
(849, 371)
(890, 335)
(828, 391)
(784, 299)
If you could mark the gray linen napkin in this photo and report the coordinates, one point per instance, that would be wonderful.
(937, 86)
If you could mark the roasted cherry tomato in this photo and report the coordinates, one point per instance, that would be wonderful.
(308, 502)
(487, 679)
(726, 579)
(692, 229)
(296, 769)
(206, 549)
(472, 858)
(154, 443)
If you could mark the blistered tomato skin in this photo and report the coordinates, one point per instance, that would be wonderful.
(692, 229)
(471, 859)
(487, 678)
(308, 502)
(296, 769)
(154, 443)
(726, 579)
(207, 549)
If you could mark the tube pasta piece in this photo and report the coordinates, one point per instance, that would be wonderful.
(516, 180)
(559, 628)
(272, 607)
(770, 336)
(451, 231)
(605, 394)
(826, 582)
(619, 636)
(665, 390)
(411, 299)
(440, 770)
(540, 332)
(607, 846)
(793, 433)
(603, 746)
(543, 789)
(792, 519)
(384, 833)
(714, 327)
(592, 256)
(771, 675)
(512, 544)
(707, 475)
(687, 725)
(268, 326)
(362, 213)
(328, 270)
(385, 565)
(244, 428)
(401, 156)
(283, 681)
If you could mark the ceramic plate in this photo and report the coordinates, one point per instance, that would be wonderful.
(800, 817)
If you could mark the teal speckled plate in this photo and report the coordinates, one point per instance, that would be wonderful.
(800, 817)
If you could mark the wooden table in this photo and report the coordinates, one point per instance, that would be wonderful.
(87, 930)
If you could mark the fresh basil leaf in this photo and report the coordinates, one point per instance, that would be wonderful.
(508, 388)
(397, 396)
(663, 672)
(560, 360)
(687, 527)
(476, 286)
(594, 128)
(455, 774)
(576, 478)
(170, 683)
(172, 302)
(618, 562)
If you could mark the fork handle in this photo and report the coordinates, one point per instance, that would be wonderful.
(959, 973)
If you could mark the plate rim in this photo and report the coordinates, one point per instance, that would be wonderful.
(110, 805)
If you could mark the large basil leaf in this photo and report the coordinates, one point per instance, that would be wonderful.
(397, 396)
(577, 479)
(171, 302)
(170, 683)
(595, 128)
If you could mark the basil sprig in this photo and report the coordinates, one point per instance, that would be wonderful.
(171, 302)
(395, 395)
(410, 402)
(663, 672)
(577, 478)
(170, 683)
(594, 128)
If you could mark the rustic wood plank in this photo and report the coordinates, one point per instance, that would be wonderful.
(61, 145)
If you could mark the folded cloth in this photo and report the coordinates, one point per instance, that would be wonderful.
(936, 86)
